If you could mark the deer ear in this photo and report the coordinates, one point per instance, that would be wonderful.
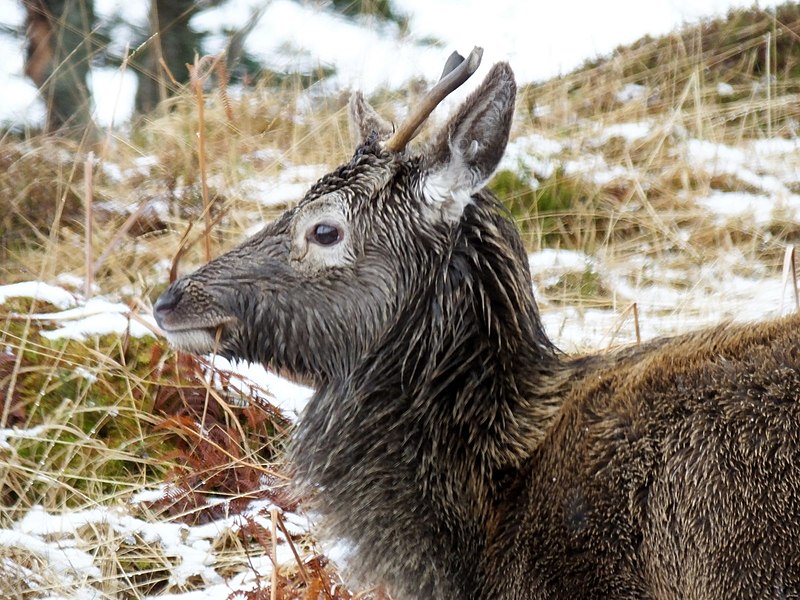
(470, 147)
(364, 121)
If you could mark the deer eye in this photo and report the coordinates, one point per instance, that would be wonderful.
(325, 234)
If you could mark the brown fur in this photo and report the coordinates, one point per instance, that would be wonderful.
(670, 471)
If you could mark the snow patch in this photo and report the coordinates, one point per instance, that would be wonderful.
(630, 92)
(291, 398)
(757, 209)
(38, 290)
(630, 132)
(97, 317)
(724, 89)
(290, 185)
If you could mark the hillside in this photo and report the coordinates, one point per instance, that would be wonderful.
(658, 190)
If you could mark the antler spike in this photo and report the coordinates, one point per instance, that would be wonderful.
(453, 61)
(456, 71)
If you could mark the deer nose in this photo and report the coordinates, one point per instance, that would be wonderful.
(165, 304)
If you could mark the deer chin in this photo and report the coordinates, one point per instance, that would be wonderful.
(198, 340)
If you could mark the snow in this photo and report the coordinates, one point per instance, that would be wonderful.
(664, 310)
(291, 398)
(765, 164)
(630, 132)
(113, 93)
(630, 92)
(97, 316)
(56, 539)
(533, 153)
(290, 185)
(62, 560)
(540, 40)
(593, 167)
(724, 89)
(554, 260)
(757, 209)
(14, 432)
(38, 290)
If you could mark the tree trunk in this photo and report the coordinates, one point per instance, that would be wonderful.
(58, 53)
(175, 43)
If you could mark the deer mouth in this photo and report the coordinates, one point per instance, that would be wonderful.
(187, 330)
(197, 338)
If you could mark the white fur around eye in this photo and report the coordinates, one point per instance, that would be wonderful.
(309, 256)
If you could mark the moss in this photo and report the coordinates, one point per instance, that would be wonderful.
(549, 213)
(94, 400)
(579, 285)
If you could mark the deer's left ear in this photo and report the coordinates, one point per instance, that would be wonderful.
(470, 147)
(365, 121)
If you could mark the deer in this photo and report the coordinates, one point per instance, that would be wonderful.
(449, 445)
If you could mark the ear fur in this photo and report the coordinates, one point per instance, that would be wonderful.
(365, 121)
(469, 148)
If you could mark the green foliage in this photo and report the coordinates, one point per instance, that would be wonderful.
(544, 212)
(574, 286)
(91, 404)
(732, 48)
(514, 192)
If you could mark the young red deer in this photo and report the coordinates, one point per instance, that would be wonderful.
(455, 450)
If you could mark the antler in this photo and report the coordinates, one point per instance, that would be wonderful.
(456, 71)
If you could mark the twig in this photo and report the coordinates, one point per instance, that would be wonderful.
(198, 73)
(790, 267)
(155, 26)
(135, 316)
(273, 592)
(185, 244)
(767, 60)
(303, 573)
(321, 577)
(88, 189)
(119, 234)
(168, 72)
(632, 308)
(222, 74)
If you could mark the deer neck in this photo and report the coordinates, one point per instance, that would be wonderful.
(485, 360)
(411, 448)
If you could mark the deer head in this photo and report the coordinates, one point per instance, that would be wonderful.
(314, 290)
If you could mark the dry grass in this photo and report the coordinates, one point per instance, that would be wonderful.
(111, 416)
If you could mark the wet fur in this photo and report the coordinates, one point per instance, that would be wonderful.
(455, 450)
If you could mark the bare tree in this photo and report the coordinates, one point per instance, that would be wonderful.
(173, 45)
(59, 50)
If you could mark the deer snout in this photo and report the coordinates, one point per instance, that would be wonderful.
(166, 304)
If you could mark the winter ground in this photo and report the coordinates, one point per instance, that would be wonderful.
(671, 294)
(665, 304)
